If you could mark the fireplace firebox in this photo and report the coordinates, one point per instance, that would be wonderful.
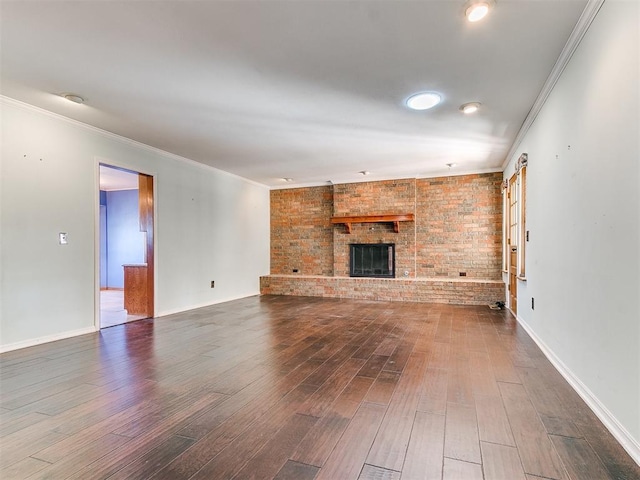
(372, 260)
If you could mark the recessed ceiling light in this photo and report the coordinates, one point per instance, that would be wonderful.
(364, 172)
(476, 11)
(288, 180)
(72, 97)
(471, 107)
(423, 100)
(451, 165)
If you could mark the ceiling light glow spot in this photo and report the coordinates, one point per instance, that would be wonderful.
(469, 108)
(423, 100)
(477, 11)
(72, 97)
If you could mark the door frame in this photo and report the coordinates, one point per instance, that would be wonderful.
(96, 196)
(512, 246)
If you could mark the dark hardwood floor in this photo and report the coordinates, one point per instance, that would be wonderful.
(301, 388)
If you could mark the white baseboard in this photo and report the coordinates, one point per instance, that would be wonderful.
(49, 338)
(164, 313)
(630, 444)
(83, 331)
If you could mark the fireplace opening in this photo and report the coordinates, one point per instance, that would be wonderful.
(372, 260)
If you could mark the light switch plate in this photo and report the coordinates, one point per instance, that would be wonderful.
(62, 238)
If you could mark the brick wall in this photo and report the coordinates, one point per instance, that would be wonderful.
(370, 198)
(301, 231)
(459, 226)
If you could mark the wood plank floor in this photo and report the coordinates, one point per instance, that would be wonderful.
(300, 388)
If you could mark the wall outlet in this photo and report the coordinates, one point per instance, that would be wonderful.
(62, 238)
(533, 304)
(213, 283)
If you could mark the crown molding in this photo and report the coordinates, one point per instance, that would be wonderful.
(119, 138)
(369, 179)
(584, 22)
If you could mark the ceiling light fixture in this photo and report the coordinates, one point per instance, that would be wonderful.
(72, 97)
(364, 172)
(288, 180)
(423, 100)
(476, 11)
(451, 165)
(471, 107)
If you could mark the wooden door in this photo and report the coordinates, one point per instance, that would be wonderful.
(513, 278)
(145, 204)
(512, 243)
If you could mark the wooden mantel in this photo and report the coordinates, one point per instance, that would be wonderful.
(395, 219)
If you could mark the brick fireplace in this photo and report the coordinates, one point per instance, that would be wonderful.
(456, 228)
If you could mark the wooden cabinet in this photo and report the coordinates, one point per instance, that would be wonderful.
(135, 289)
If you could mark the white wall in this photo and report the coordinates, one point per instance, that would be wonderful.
(210, 226)
(583, 213)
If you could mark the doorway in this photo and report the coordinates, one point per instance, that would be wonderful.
(126, 246)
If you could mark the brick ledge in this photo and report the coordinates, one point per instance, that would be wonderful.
(460, 291)
(403, 279)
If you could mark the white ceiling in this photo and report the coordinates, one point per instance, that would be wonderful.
(116, 179)
(308, 89)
